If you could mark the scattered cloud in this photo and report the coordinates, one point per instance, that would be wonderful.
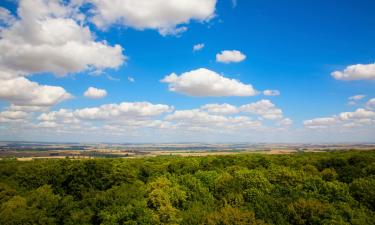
(62, 116)
(125, 109)
(12, 116)
(95, 93)
(353, 100)
(359, 118)
(50, 37)
(109, 116)
(264, 108)
(198, 47)
(320, 122)
(6, 18)
(356, 97)
(230, 56)
(285, 122)
(203, 82)
(169, 17)
(131, 79)
(271, 92)
(197, 120)
(143, 118)
(356, 72)
(220, 108)
(27, 108)
(20, 91)
(352, 103)
(112, 78)
(371, 103)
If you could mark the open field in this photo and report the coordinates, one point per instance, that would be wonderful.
(29, 151)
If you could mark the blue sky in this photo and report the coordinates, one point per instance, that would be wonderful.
(290, 46)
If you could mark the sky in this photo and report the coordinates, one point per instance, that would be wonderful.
(187, 71)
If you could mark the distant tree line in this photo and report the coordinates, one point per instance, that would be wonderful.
(305, 188)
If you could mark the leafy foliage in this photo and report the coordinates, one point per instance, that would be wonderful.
(305, 188)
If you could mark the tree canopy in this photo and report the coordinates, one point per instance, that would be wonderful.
(304, 188)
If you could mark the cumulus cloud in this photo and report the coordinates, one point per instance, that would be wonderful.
(357, 115)
(285, 122)
(49, 37)
(217, 114)
(27, 108)
(63, 116)
(371, 103)
(353, 100)
(320, 122)
(358, 118)
(23, 92)
(166, 16)
(203, 82)
(356, 97)
(271, 92)
(230, 56)
(6, 18)
(220, 108)
(356, 72)
(12, 116)
(143, 119)
(109, 112)
(198, 120)
(264, 108)
(198, 47)
(95, 93)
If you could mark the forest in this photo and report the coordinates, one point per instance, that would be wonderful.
(303, 188)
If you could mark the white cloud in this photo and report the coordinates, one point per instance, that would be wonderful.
(285, 122)
(358, 118)
(371, 103)
(220, 108)
(64, 116)
(6, 18)
(125, 109)
(356, 72)
(197, 120)
(353, 100)
(27, 108)
(129, 110)
(23, 92)
(112, 78)
(11, 116)
(356, 97)
(229, 56)
(48, 37)
(320, 122)
(204, 82)
(95, 93)
(264, 108)
(198, 47)
(271, 92)
(166, 16)
(143, 120)
(358, 114)
(131, 79)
